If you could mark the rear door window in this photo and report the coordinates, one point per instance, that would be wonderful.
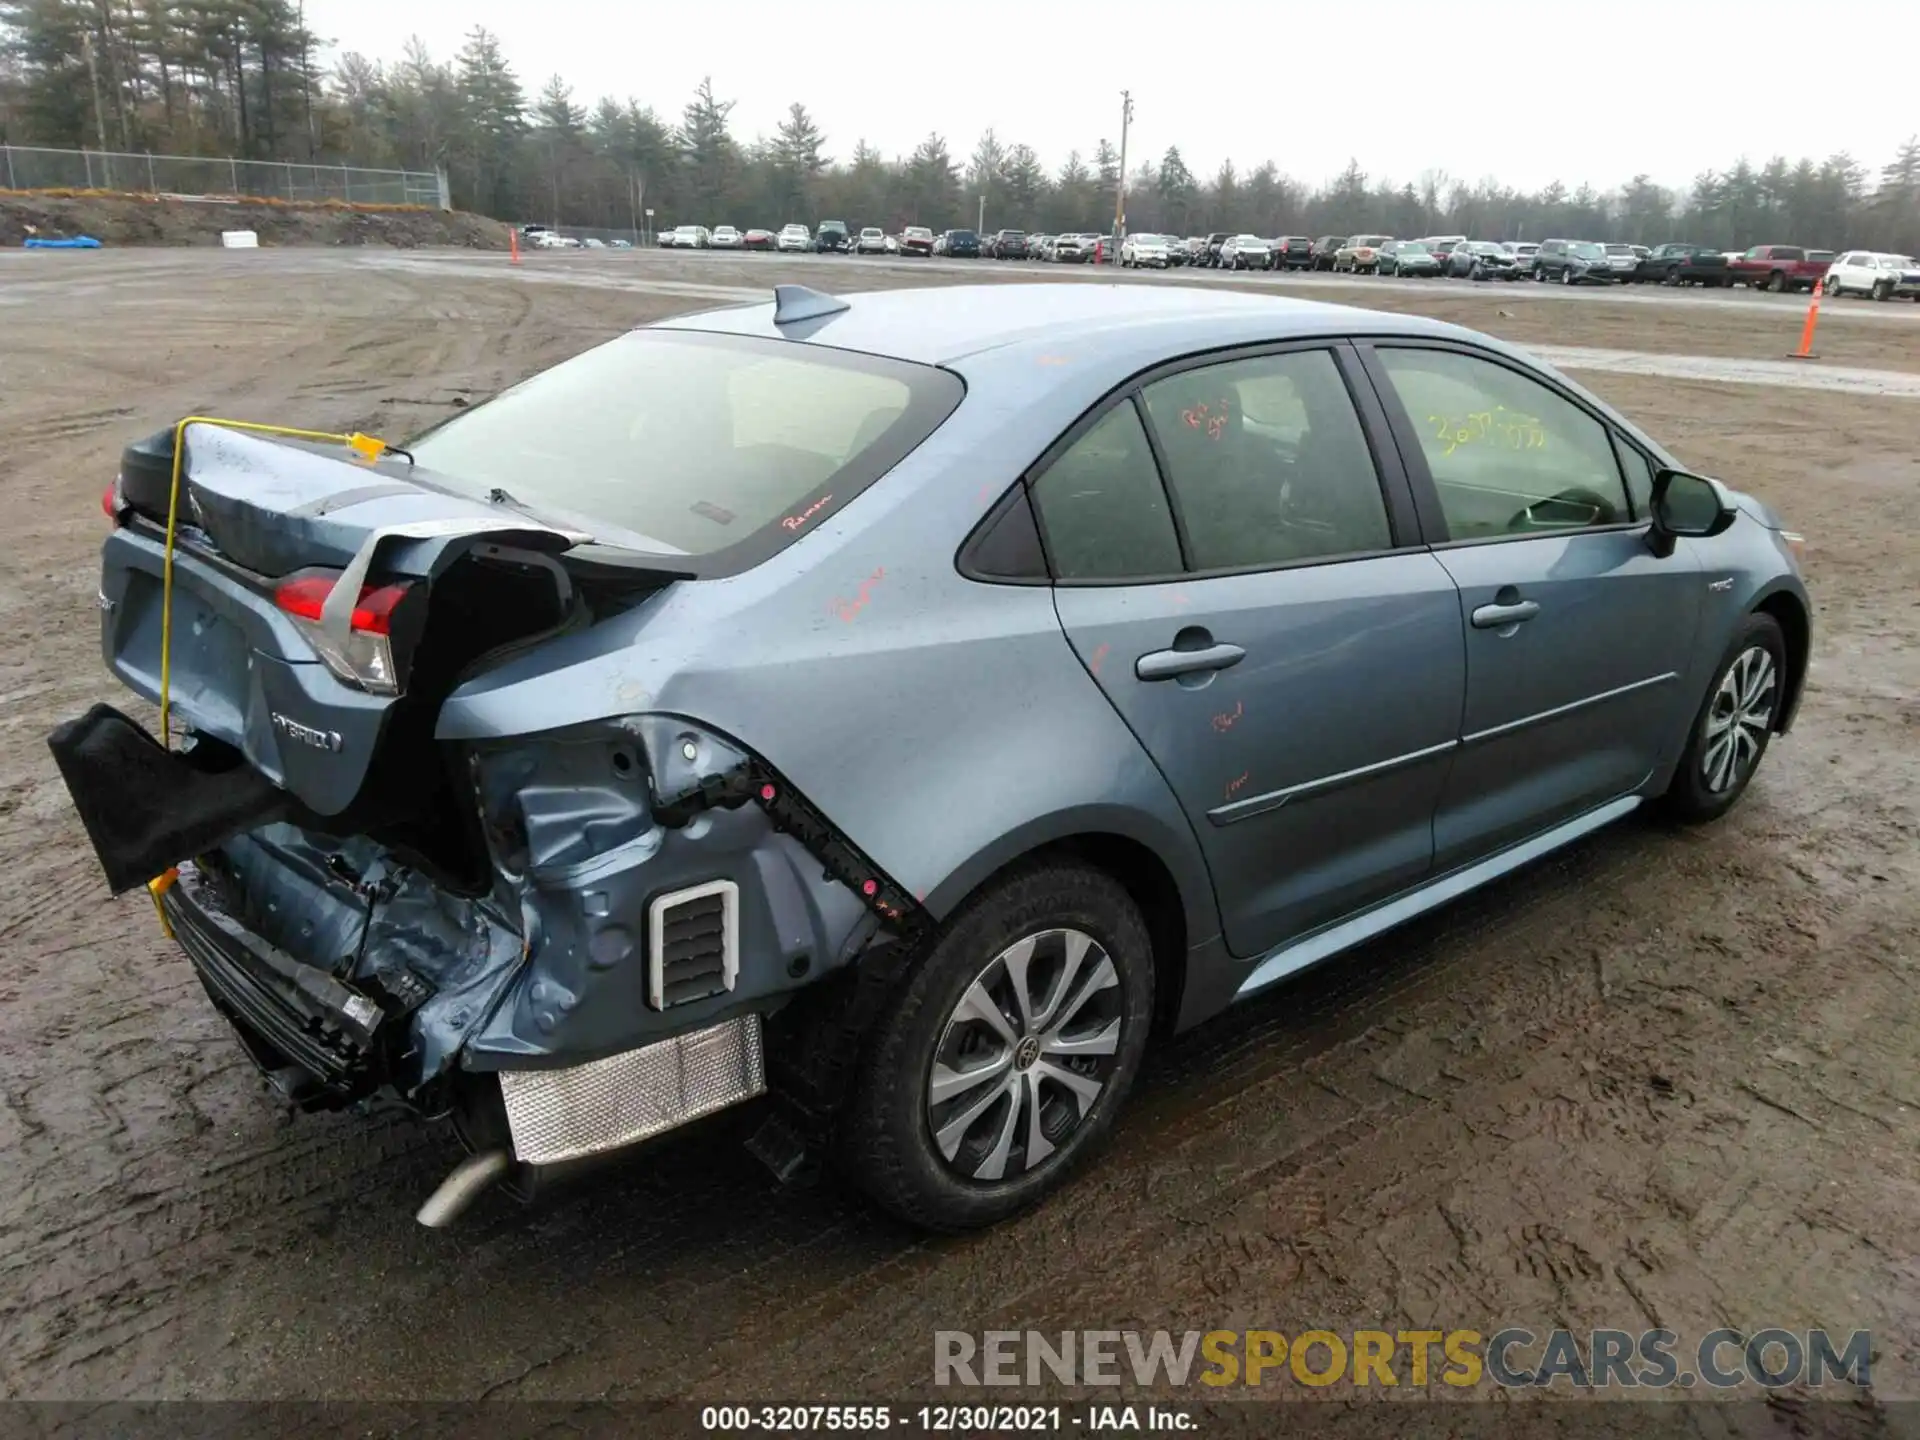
(1102, 506)
(1268, 463)
(719, 447)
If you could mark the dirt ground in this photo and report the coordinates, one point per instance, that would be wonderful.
(1667, 1079)
(142, 220)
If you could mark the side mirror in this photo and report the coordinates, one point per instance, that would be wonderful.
(1689, 505)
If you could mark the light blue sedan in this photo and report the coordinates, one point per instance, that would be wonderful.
(905, 704)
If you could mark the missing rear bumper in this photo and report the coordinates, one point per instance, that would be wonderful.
(317, 1039)
(559, 1115)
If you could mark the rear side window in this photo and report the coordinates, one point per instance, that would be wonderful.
(718, 447)
(1268, 462)
(1103, 508)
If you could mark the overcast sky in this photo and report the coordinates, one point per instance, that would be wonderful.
(1526, 92)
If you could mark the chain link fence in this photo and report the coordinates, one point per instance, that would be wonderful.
(24, 167)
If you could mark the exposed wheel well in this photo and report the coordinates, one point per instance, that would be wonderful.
(1792, 619)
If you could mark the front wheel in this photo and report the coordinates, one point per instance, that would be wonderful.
(1014, 1038)
(1883, 290)
(1735, 723)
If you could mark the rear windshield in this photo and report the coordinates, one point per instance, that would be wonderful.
(721, 448)
(966, 235)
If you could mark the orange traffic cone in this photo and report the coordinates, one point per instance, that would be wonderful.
(1805, 352)
(513, 245)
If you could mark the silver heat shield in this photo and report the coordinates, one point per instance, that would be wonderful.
(559, 1115)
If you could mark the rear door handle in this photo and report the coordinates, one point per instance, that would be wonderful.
(1495, 617)
(1169, 664)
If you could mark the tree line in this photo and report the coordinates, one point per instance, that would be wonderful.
(249, 78)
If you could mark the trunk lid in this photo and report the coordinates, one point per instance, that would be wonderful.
(283, 551)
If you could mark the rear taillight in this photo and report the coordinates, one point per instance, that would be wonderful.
(110, 502)
(365, 658)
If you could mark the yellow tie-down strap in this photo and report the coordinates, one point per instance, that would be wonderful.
(366, 447)
(157, 887)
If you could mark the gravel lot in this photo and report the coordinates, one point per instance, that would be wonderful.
(1666, 1079)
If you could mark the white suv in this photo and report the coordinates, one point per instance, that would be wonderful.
(793, 237)
(1138, 251)
(872, 241)
(1875, 273)
(691, 237)
(725, 237)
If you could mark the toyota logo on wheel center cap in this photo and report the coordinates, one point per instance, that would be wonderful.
(1025, 1053)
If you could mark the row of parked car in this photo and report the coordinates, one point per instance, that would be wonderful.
(829, 237)
(1880, 275)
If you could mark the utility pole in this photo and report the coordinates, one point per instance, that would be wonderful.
(93, 74)
(306, 80)
(980, 225)
(1120, 190)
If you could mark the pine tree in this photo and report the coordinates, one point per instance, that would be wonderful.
(493, 112)
(708, 154)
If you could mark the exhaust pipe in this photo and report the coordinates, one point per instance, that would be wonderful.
(462, 1185)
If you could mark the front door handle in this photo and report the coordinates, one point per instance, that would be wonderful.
(1169, 664)
(1496, 617)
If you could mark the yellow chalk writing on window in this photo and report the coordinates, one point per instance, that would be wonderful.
(1498, 426)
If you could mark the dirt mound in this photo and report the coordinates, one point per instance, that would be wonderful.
(151, 220)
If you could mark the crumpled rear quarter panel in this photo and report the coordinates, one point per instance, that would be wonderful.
(944, 725)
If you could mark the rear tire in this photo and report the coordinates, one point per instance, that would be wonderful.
(1058, 941)
(1734, 725)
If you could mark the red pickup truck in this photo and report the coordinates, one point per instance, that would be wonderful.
(1780, 267)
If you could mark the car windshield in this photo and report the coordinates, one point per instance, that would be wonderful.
(1586, 250)
(1414, 246)
(966, 235)
(1619, 250)
(693, 443)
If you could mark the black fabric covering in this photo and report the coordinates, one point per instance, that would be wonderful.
(146, 807)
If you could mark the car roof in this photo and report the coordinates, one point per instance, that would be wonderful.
(1135, 324)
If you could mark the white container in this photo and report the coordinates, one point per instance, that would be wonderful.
(240, 239)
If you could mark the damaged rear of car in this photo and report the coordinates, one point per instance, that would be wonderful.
(412, 852)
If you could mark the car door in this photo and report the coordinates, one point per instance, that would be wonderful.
(1237, 566)
(1577, 635)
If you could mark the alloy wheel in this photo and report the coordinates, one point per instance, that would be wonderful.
(1025, 1053)
(1738, 721)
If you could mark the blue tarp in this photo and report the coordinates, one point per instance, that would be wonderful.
(79, 242)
